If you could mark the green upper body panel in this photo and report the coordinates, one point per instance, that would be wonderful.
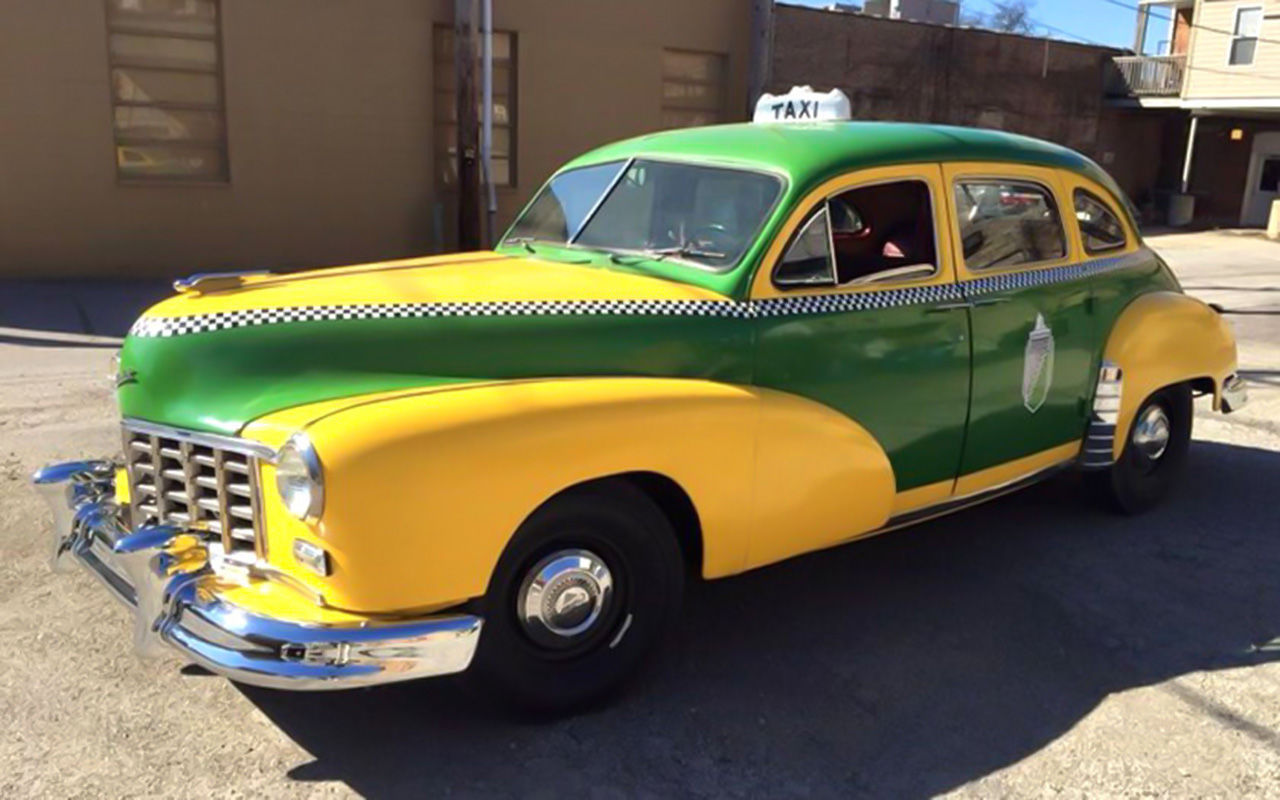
(807, 154)
(915, 378)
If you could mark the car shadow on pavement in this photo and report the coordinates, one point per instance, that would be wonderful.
(904, 665)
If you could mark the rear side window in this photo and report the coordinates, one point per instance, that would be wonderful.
(1100, 229)
(1007, 223)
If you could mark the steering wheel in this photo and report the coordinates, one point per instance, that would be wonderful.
(716, 234)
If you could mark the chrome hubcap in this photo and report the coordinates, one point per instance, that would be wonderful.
(1151, 433)
(563, 596)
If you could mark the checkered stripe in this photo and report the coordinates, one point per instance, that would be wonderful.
(794, 305)
(1044, 277)
(860, 301)
(226, 320)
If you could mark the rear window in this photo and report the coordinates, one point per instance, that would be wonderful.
(1099, 227)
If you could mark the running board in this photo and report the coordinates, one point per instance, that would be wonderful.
(968, 501)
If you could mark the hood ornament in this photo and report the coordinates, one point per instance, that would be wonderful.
(202, 282)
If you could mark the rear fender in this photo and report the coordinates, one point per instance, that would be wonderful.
(1165, 338)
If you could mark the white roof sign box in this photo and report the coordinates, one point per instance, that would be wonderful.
(803, 104)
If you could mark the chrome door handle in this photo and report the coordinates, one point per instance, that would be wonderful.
(991, 301)
(948, 307)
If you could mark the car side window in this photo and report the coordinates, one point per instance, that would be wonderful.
(1099, 227)
(883, 231)
(807, 261)
(1007, 223)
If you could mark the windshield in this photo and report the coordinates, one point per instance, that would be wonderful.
(689, 212)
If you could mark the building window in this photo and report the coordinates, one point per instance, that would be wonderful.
(166, 90)
(1244, 40)
(693, 88)
(446, 107)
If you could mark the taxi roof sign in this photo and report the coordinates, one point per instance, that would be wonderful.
(803, 104)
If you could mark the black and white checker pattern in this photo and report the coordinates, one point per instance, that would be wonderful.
(860, 301)
(225, 320)
(1044, 277)
(795, 305)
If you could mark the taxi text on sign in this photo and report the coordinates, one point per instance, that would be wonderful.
(803, 104)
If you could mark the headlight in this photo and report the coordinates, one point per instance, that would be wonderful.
(299, 478)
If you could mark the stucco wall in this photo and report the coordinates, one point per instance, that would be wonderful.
(329, 116)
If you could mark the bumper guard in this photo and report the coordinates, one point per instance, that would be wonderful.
(164, 574)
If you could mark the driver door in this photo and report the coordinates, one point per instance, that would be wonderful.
(857, 308)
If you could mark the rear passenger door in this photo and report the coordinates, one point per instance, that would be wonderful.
(1032, 336)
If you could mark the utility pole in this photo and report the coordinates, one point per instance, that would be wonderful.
(760, 51)
(464, 67)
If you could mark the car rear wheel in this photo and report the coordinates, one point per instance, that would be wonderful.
(582, 594)
(1154, 455)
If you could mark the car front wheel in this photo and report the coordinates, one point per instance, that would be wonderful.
(585, 589)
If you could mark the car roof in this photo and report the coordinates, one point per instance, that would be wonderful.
(809, 153)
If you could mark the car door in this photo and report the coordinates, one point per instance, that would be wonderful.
(857, 308)
(1033, 339)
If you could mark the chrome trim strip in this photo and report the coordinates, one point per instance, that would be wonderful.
(1100, 436)
(954, 504)
(235, 444)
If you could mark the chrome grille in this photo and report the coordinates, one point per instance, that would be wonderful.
(194, 480)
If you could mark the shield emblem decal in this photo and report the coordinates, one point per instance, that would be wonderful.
(1037, 369)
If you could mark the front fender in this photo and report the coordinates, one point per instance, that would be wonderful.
(423, 490)
(1164, 338)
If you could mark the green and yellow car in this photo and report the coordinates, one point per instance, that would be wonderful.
(695, 353)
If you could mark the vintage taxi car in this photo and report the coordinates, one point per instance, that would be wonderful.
(700, 351)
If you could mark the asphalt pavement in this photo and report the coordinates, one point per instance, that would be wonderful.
(1035, 646)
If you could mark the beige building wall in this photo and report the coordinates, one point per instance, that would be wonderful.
(330, 127)
(1209, 74)
(590, 72)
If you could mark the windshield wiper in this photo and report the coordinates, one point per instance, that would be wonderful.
(659, 253)
(685, 249)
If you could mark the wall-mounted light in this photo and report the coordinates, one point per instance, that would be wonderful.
(1237, 134)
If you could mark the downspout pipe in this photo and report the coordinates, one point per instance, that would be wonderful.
(486, 137)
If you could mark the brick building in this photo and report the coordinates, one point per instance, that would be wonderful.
(902, 70)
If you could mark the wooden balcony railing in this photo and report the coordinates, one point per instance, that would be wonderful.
(1146, 76)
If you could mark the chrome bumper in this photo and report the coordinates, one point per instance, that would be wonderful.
(1235, 393)
(164, 574)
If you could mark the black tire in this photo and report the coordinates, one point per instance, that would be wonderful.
(1137, 481)
(541, 671)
